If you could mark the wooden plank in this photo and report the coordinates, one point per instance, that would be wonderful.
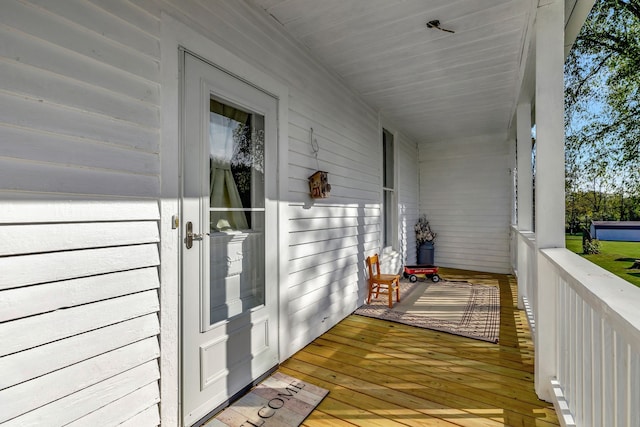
(139, 407)
(57, 211)
(365, 362)
(18, 270)
(27, 396)
(34, 331)
(32, 363)
(31, 300)
(365, 396)
(64, 237)
(76, 405)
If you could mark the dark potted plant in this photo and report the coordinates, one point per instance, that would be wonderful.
(424, 241)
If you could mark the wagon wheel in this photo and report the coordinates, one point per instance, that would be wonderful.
(413, 278)
(435, 278)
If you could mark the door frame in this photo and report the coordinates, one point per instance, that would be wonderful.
(174, 36)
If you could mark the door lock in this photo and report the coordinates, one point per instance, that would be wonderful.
(191, 236)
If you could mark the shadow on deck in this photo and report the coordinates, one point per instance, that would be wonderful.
(380, 373)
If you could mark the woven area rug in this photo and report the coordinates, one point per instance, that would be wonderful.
(458, 308)
(278, 401)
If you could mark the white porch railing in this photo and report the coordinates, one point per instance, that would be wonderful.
(596, 337)
(527, 272)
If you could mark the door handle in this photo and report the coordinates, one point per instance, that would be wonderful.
(191, 236)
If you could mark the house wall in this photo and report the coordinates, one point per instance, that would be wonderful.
(79, 182)
(616, 234)
(80, 177)
(465, 192)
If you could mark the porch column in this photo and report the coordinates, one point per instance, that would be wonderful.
(525, 197)
(525, 170)
(549, 203)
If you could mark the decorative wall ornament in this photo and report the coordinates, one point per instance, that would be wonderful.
(319, 186)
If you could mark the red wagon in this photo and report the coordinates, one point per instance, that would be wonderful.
(430, 271)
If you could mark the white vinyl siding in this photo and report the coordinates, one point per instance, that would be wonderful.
(80, 167)
(465, 191)
(78, 311)
(79, 180)
(328, 239)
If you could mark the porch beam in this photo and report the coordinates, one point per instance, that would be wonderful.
(549, 202)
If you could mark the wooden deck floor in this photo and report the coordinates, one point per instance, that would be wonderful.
(380, 373)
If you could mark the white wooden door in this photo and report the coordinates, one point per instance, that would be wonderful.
(229, 289)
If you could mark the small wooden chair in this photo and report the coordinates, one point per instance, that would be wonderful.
(383, 284)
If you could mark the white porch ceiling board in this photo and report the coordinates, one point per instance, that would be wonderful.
(419, 78)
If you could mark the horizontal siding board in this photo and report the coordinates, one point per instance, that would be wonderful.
(61, 120)
(148, 417)
(47, 26)
(83, 14)
(28, 176)
(301, 264)
(29, 332)
(311, 236)
(64, 237)
(21, 47)
(336, 211)
(30, 300)
(18, 271)
(311, 224)
(74, 406)
(65, 210)
(465, 192)
(29, 395)
(128, 407)
(27, 365)
(319, 248)
(38, 84)
(42, 146)
(132, 14)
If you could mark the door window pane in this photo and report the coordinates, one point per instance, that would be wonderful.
(236, 162)
(237, 211)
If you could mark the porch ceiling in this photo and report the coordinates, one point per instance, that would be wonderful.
(433, 85)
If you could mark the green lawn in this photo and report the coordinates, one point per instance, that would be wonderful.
(615, 257)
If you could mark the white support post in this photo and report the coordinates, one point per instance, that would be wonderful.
(525, 169)
(549, 198)
(525, 190)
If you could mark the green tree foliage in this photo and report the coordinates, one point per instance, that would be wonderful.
(602, 114)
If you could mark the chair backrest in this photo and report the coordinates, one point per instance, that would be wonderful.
(372, 261)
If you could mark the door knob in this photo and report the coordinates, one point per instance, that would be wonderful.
(191, 236)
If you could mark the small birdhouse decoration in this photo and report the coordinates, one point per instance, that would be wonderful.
(319, 185)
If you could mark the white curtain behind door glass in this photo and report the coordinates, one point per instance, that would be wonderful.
(223, 190)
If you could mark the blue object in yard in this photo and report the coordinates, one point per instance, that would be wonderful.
(425, 254)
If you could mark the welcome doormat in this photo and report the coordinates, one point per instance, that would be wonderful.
(457, 308)
(278, 401)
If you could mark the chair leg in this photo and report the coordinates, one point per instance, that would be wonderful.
(398, 290)
(370, 292)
